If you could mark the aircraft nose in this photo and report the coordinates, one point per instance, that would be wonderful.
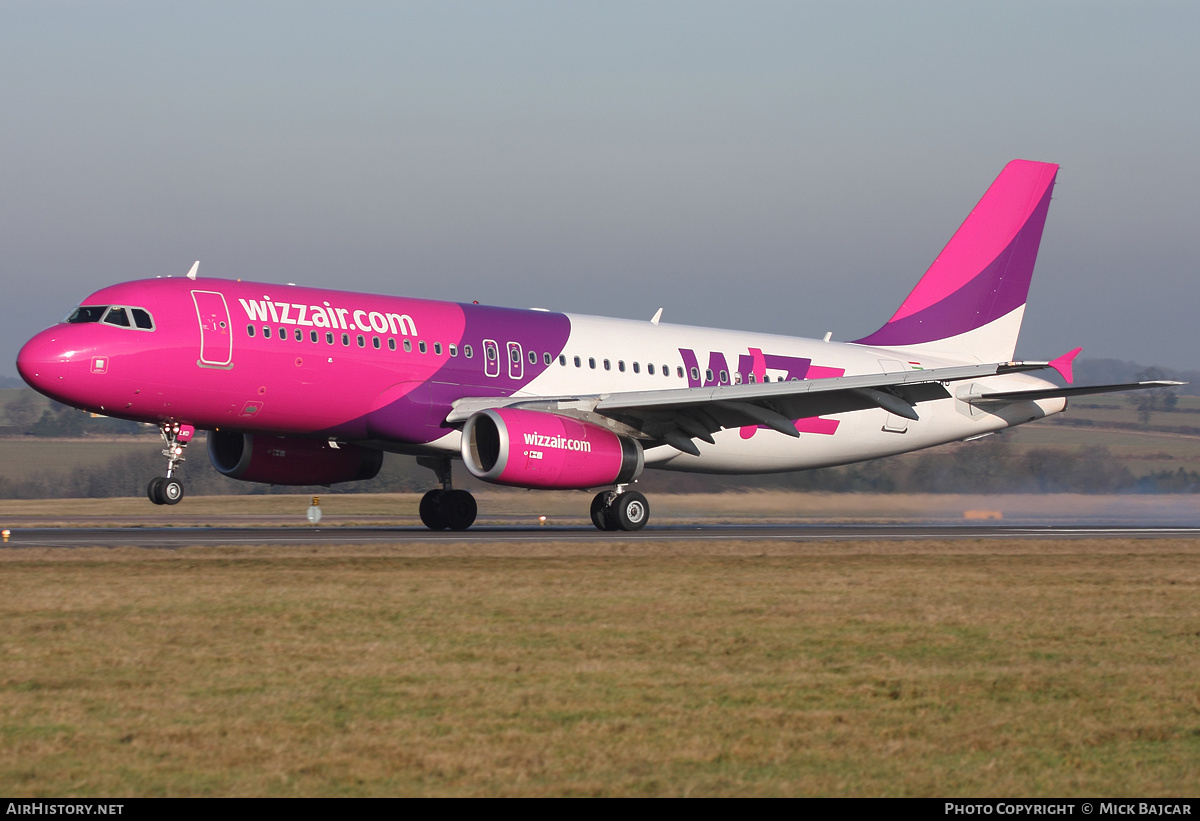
(43, 362)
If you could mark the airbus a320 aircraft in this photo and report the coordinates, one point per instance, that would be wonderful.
(304, 386)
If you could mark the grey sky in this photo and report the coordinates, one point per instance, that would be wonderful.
(777, 166)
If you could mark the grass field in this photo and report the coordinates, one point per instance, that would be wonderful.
(872, 668)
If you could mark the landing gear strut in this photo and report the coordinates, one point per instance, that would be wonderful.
(620, 509)
(168, 490)
(445, 507)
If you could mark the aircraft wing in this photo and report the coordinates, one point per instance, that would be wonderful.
(677, 416)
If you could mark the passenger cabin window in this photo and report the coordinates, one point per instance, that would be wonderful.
(249, 330)
(266, 332)
(391, 344)
(637, 368)
(313, 336)
(650, 368)
(299, 335)
(437, 348)
(454, 350)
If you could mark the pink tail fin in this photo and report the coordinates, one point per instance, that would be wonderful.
(970, 301)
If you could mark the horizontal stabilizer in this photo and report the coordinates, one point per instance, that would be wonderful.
(1053, 393)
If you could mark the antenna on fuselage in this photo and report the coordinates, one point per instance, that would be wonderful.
(657, 316)
(192, 273)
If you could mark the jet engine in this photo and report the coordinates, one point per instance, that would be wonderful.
(282, 460)
(535, 449)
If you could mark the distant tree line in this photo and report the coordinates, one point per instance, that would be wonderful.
(986, 466)
(31, 415)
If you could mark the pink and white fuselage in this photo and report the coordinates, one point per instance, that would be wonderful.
(393, 388)
(536, 398)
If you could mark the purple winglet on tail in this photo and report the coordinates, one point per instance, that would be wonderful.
(983, 273)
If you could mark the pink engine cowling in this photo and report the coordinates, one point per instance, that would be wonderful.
(280, 460)
(534, 449)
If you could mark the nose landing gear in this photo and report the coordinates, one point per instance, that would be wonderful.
(167, 490)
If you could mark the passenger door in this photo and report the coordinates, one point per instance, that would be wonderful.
(216, 341)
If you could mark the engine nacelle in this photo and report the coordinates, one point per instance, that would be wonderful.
(281, 460)
(526, 448)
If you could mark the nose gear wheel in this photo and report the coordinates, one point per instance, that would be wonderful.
(168, 490)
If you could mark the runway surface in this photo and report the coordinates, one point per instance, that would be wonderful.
(179, 537)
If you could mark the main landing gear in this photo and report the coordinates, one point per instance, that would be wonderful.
(446, 508)
(167, 490)
(620, 509)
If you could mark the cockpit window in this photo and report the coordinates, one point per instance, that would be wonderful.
(117, 316)
(87, 313)
(142, 319)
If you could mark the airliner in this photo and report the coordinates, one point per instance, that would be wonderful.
(309, 386)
